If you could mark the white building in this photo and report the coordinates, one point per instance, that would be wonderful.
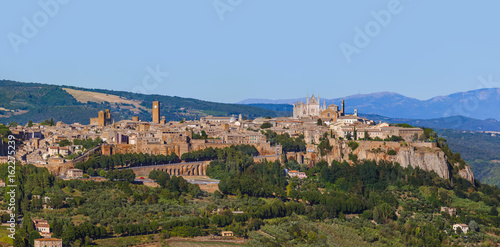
(309, 109)
(463, 227)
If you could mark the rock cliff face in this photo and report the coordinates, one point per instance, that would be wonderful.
(429, 161)
(467, 173)
(422, 155)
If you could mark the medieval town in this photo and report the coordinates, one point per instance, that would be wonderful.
(311, 120)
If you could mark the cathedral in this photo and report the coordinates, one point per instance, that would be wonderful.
(312, 109)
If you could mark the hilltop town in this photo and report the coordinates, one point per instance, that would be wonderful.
(230, 177)
(328, 133)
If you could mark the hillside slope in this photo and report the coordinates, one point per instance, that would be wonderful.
(22, 102)
(480, 150)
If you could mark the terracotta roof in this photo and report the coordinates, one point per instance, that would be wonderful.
(48, 239)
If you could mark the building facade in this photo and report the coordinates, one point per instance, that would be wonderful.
(48, 242)
(313, 108)
(103, 118)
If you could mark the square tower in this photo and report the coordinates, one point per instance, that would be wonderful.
(102, 119)
(156, 112)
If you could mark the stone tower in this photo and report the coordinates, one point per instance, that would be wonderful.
(156, 112)
(342, 109)
(102, 119)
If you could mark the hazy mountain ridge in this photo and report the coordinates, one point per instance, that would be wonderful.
(479, 104)
(454, 122)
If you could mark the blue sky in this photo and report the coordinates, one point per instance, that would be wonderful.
(252, 49)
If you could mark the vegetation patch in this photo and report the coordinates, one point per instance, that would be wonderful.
(4, 236)
(353, 145)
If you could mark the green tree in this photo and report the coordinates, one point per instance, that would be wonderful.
(33, 235)
(64, 143)
(91, 171)
(324, 147)
(473, 226)
(102, 173)
(320, 122)
(30, 123)
(266, 126)
(153, 174)
(57, 228)
(367, 136)
(493, 211)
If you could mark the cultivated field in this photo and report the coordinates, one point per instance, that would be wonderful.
(4, 239)
(84, 96)
(153, 240)
(201, 244)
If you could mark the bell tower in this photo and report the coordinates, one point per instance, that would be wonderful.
(342, 109)
(156, 112)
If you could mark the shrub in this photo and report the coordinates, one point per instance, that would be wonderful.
(266, 126)
(353, 145)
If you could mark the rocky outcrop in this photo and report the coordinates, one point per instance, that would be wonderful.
(426, 156)
(467, 174)
(429, 160)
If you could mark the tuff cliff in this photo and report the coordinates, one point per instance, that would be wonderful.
(426, 156)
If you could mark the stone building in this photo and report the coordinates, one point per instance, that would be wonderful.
(103, 119)
(48, 242)
(75, 173)
(463, 227)
(309, 109)
(313, 108)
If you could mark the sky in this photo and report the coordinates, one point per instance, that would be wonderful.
(231, 50)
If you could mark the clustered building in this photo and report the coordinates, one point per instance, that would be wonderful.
(103, 119)
(42, 143)
(43, 228)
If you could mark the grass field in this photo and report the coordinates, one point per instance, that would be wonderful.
(154, 240)
(128, 241)
(84, 96)
(201, 244)
(79, 219)
(4, 238)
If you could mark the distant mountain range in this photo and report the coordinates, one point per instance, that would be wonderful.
(478, 104)
(22, 102)
(455, 122)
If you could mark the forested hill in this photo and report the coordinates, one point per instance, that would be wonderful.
(479, 150)
(22, 102)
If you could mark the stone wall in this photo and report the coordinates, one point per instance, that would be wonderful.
(179, 169)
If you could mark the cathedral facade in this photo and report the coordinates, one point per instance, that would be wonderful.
(312, 108)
